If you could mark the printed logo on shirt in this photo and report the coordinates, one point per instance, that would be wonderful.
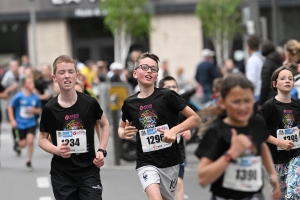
(73, 116)
(288, 120)
(73, 125)
(146, 107)
(148, 118)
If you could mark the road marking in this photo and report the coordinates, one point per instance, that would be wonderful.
(45, 198)
(6, 137)
(43, 182)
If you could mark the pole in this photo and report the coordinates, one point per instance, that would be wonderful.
(33, 33)
(275, 22)
(115, 119)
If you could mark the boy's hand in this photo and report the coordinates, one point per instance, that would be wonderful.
(13, 123)
(276, 194)
(169, 136)
(64, 150)
(99, 160)
(239, 143)
(286, 144)
(129, 131)
(186, 134)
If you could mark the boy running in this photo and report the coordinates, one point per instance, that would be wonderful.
(21, 112)
(70, 118)
(153, 114)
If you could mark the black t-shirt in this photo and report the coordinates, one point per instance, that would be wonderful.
(82, 115)
(280, 115)
(160, 108)
(216, 141)
(181, 141)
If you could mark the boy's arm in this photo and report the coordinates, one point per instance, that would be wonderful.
(126, 131)
(11, 116)
(45, 144)
(103, 135)
(284, 144)
(192, 120)
(268, 163)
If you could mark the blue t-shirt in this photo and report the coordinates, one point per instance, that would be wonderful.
(21, 103)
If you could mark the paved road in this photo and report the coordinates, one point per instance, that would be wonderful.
(119, 182)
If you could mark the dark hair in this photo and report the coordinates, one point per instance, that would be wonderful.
(275, 75)
(163, 80)
(217, 84)
(267, 47)
(233, 80)
(253, 42)
(147, 55)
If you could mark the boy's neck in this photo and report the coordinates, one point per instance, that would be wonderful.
(67, 98)
(284, 98)
(145, 92)
(27, 92)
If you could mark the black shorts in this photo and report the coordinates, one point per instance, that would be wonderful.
(86, 187)
(21, 134)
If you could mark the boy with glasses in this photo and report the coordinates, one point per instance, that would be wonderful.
(152, 115)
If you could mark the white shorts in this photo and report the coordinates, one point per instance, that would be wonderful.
(165, 177)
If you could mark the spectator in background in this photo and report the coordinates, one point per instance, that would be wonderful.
(292, 52)
(102, 70)
(88, 73)
(239, 60)
(271, 63)
(163, 71)
(206, 73)
(254, 65)
(116, 68)
(280, 51)
(133, 56)
(181, 80)
(44, 84)
(229, 68)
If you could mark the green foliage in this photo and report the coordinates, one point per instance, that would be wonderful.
(126, 14)
(219, 17)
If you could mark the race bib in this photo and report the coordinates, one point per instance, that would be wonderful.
(76, 139)
(151, 139)
(289, 134)
(244, 175)
(24, 112)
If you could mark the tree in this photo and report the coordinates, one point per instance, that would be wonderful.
(221, 20)
(125, 19)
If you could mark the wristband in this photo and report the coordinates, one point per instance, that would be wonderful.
(228, 157)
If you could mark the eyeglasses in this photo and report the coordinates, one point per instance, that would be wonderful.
(284, 79)
(171, 87)
(145, 68)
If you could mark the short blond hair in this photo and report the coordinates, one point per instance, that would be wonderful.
(60, 59)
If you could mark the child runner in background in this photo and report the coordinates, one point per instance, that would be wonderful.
(170, 83)
(233, 148)
(152, 115)
(22, 112)
(282, 115)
